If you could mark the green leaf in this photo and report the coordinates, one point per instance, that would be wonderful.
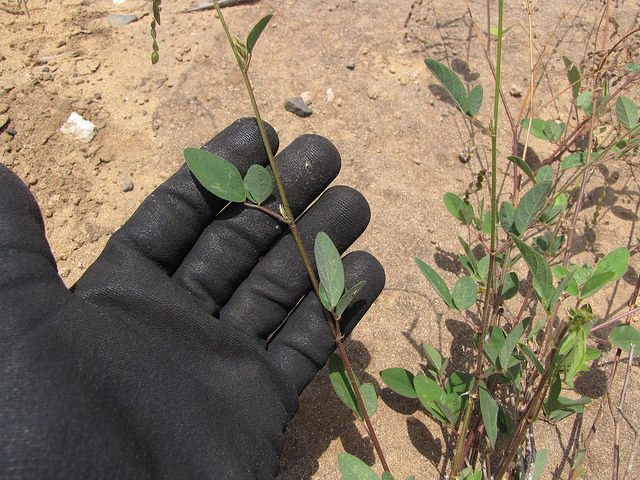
(483, 267)
(577, 354)
(531, 356)
(531, 206)
(626, 112)
(369, 398)
(551, 212)
(461, 210)
(510, 343)
(387, 476)
(572, 286)
(352, 468)
(540, 463)
(451, 82)
(340, 381)
(330, 269)
(553, 130)
(474, 101)
(538, 266)
(435, 280)
(323, 297)
(545, 174)
(507, 215)
(595, 283)
(216, 174)
(584, 101)
(632, 67)
(258, 184)
(574, 76)
(400, 381)
(255, 32)
(348, 297)
(562, 286)
(428, 392)
(433, 355)
(449, 414)
(623, 336)
(537, 128)
(616, 261)
(510, 287)
(577, 159)
(465, 293)
(470, 255)
(489, 410)
(523, 166)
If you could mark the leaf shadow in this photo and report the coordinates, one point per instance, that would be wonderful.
(448, 261)
(324, 414)
(442, 94)
(462, 348)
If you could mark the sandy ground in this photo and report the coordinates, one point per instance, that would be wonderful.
(400, 140)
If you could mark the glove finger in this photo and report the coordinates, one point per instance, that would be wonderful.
(28, 270)
(170, 220)
(280, 279)
(305, 342)
(231, 246)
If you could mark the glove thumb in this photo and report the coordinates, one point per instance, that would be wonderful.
(29, 282)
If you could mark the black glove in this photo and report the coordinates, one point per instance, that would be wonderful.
(169, 358)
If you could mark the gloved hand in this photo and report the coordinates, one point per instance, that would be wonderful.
(171, 356)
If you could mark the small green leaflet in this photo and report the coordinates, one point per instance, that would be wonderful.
(474, 101)
(216, 174)
(460, 209)
(436, 281)
(450, 81)
(574, 76)
(465, 293)
(523, 166)
(540, 463)
(626, 112)
(352, 468)
(258, 184)
(623, 336)
(538, 266)
(489, 410)
(348, 297)
(330, 269)
(400, 381)
(531, 206)
(253, 36)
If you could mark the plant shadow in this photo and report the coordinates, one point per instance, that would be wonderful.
(322, 412)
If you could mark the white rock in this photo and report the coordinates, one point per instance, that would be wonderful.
(306, 96)
(118, 2)
(330, 95)
(79, 128)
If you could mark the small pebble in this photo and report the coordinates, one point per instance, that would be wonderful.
(120, 20)
(351, 65)
(306, 96)
(298, 106)
(330, 95)
(515, 91)
(11, 131)
(127, 186)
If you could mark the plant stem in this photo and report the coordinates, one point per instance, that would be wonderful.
(334, 323)
(486, 316)
(352, 379)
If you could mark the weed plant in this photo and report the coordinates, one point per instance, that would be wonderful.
(531, 347)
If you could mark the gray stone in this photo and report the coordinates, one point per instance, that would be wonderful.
(127, 186)
(116, 20)
(298, 106)
(351, 65)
